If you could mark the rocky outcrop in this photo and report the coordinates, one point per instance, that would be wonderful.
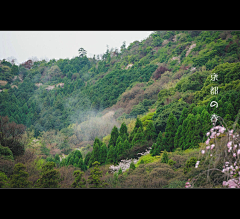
(190, 48)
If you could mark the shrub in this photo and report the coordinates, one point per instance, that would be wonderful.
(164, 157)
(171, 162)
(190, 163)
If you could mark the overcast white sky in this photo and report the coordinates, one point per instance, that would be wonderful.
(23, 45)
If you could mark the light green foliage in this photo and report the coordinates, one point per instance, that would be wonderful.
(6, 153)
(19, 179)
(94, 178)
(189, 164)
(3, 180)
(50, 177)
(79, 181)
(164, 157)
(132, 166)
(171, 162)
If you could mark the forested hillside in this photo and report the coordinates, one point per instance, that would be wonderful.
(70, 118)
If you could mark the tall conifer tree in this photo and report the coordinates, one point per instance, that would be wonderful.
(114, 136)
(171, 130)
(150, 132)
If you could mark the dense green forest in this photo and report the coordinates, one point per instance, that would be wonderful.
(67, 123)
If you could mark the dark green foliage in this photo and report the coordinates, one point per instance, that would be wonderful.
(19, 179)
(171, 162)
(188, 141)
(96, 154)
(171, 130)
(15, 146)
(177, 137)
(126, 145)
(139, 137)
(103, 154)
(150, 132)
(3, 180)
(49, 177)
(6, 152)
(183, 116)
(123, 132)
(87, 158)
(119, 148)
(158, 146)
(132, 166)
(138, 110)
(81, 165)
(114, 136)
(137, 125)
(162, 113)
(164, 157)
(79, 181)
(112, 155)
(189, 164)
(94, 178)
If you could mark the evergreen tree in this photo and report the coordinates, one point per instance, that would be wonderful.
(95, 155)
(71, 160)
(220, 111)
(138, 124)
(49, 177)
(197, 138)
(158, 146)
(182, 141)
(123, 132)
(87, 158)
(206, 123)
(177, 137)
(78, 154)
(171, 130)
(112, 155)
(138, 137)
(4, 180)
(103, 154)
(132, 165)
(94, 178)
(164, 157)
(81, 165)
(183, 116)
(119, 147)
(76, 160)
(190, 132)
(19, 179)
(126, 145)
(150, 132)
(230, 110)
(79, 181)
(114, 136)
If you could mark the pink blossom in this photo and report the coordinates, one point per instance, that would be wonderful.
(234, 154)
(213, 134)
(229, 144)
(212, 146)
(225, 183)
(208, 147)
(218, 134)
(207, 142)
(238, 152)
(208, 133)
(231, 131)
(210, 154)
(203, 151)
